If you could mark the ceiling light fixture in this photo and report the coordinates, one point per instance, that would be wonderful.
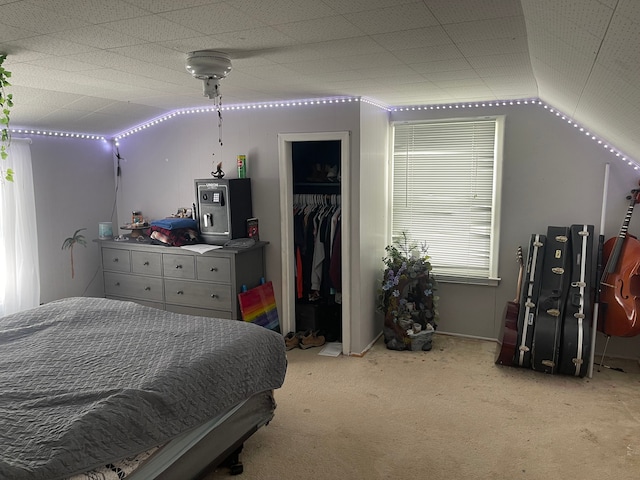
(210, 66)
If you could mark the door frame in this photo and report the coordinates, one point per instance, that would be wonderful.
(285, 141)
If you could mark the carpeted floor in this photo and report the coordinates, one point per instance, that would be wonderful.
(445, 414)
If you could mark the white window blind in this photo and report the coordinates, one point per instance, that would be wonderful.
(444, 193)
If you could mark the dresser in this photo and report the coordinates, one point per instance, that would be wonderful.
(179, 280)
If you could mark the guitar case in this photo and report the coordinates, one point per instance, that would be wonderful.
(528, 300)
(551, 302)
(575, 343)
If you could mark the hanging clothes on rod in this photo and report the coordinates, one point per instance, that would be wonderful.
(316, 227)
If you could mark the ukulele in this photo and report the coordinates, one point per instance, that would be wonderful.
(507, 350)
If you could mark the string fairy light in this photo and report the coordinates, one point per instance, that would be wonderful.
(218, 109)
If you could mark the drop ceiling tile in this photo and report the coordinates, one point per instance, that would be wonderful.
(91, 11)
(379, 60)
(151, 71)
(276, 12)
(322, 65)
(159, 6)
(459, 11)
(151, 28)
(65, 64)
(550, 23)
(47, 44)
(504, 71)
(352, 6)
(107, 58)
(87, 103)
(98, 37)
(509, 60)
(459, 83)
(619, 52)
(401, 17)
(467, 93)
(213, 18)
(274, 73)
(345, 47)
(413, 38)
(553, 87)
(629, 9)
(608, 93)
(428, 54)
(480, 30)
(452, 65)
(258, 39)
(494, 46)
(19, 14)
(339, 77)
(438, 76)
(322, 29)
(151, 54)
(16, 53)
(120, 78)
(396, 77)
(9, 33)
(589, 15)
(571, 63)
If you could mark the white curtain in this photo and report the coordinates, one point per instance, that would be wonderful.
(19, 267)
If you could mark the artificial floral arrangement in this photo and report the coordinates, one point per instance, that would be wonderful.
(406, 296)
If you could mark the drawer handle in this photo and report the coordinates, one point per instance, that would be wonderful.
(180, 292)
(214, 269)
(115, 260)
(146, 264)
(178, 266)
(148, 289)
(213, 295)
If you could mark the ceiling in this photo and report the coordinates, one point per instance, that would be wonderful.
(102, 67)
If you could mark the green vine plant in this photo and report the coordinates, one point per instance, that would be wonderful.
(6, 102)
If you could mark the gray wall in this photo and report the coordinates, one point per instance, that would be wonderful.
(161, 162)
(74, 188)
(553, 175)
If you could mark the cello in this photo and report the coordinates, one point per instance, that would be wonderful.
(620, 282)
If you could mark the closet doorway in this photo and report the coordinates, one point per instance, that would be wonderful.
(288, 145)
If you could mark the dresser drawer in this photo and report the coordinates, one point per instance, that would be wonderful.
(196, 294)
(146, 262)
(178, 266)
(133, 286)
(214, 269)
(116, 259)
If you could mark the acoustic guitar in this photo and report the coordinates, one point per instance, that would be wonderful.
(507, 347)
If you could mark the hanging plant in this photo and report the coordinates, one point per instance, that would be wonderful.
(6, 102)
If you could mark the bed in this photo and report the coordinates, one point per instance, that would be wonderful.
(92, 383)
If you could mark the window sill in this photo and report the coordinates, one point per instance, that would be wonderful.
(488, 282)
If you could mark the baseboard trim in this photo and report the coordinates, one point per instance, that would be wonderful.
(367, 348)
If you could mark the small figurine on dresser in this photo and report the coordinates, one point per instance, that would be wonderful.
(218, 173)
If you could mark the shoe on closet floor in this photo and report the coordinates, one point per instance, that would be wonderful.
(291, 341)
(311, 339)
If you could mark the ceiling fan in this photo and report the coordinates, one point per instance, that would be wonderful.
(210, 66)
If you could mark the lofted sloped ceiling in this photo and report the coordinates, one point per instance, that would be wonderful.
(104, 66)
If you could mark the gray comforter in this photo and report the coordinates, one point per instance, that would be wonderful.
(88, 381)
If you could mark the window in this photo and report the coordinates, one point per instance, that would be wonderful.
(446, 193)
(19, 269)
